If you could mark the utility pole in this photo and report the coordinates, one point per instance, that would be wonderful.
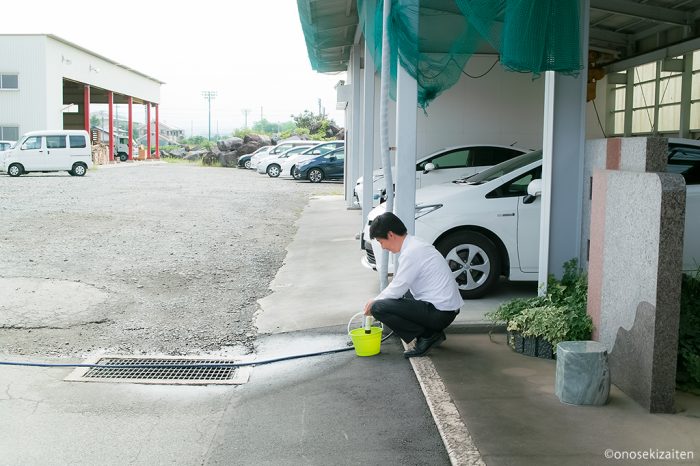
(209, 95)
(246, 111)
(319, 108)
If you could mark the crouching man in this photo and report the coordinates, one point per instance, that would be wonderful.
(422, 271)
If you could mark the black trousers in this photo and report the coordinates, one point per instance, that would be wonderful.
(411, 318)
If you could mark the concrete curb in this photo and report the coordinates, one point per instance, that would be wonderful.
(454, 432)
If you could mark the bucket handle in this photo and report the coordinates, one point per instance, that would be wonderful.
(362, 314)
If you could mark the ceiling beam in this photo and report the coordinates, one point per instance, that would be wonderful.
(643, 11)
(611, 37)
(671, 51)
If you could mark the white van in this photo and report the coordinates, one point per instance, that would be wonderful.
(47, 151)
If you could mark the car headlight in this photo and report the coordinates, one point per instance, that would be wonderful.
(422, 210)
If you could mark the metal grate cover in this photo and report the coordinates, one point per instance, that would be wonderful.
(167, 370)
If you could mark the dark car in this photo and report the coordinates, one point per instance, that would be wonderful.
(329, 166)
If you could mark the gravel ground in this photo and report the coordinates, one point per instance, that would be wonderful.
(148, 258)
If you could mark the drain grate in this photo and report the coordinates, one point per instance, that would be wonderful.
(162, 370)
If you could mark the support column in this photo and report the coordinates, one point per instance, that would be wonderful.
(354, 141)
(367, 136)
(406, 110)
(110, 104)
(562, 175)
(86, 107)
(686, 95)
(157, 133)
(148, 128)
(131, 128)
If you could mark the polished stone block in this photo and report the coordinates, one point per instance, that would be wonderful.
(582, 375)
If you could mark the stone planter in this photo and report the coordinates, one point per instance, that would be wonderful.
(516, 341)
(530, 346)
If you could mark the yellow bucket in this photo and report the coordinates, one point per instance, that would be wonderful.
(366, 344)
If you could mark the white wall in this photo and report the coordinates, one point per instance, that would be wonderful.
(27, 58)
(42, 62)
(72, 63)
(502, 107)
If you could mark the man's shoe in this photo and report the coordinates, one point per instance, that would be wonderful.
(424, 344)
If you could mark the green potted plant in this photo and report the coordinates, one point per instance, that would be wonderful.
(536, 325)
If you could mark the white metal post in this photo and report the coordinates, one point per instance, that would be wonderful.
(562, 165)
(353, 151)
(406, 124)
(383, 262)
(367, 136)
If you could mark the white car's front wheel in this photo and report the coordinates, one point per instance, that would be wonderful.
(273, 170)
(15, 169)
(79, 169)
(474, 261)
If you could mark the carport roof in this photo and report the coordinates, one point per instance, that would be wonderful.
(619, 29)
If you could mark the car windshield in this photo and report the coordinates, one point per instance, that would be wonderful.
(501, 169)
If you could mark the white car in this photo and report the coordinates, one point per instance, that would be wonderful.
(281, 147)
(271, 163)
(245, 161)
(49, 151)
(444, 165)
(488, 224)
(289, 164)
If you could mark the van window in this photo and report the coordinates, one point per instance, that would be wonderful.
(77, 141)
(55, 142)
(33, 142)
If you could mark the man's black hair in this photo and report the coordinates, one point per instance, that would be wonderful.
(383, 224)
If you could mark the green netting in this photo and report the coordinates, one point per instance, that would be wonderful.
(434, 53)
(530, 36)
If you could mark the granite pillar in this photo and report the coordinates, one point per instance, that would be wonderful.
(636, 247)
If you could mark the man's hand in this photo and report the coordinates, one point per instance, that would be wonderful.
(368, 307)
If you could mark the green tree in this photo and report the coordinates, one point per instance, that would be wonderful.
(95, 120)
(316, 125)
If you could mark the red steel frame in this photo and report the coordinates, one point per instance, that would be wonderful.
(86, 107)
(157, 133)
(148, 137)
(110, 103)
(131, 129)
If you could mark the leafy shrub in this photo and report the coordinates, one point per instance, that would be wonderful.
(559, 315)
(688, 366)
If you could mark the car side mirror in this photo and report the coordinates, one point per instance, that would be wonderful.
(428, 167)
(332, 158)
(534, 189)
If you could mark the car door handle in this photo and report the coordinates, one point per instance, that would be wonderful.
(509, 214)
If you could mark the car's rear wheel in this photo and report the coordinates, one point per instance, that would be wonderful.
(315, 175)
(123, 157)
(474, 261)
(79, 169)
(273, 170)
(15, 169)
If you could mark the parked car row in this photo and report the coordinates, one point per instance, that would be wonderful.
(488, 224)
(443, 165)
(314, 161)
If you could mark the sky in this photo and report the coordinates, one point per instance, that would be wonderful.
(250, 52)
